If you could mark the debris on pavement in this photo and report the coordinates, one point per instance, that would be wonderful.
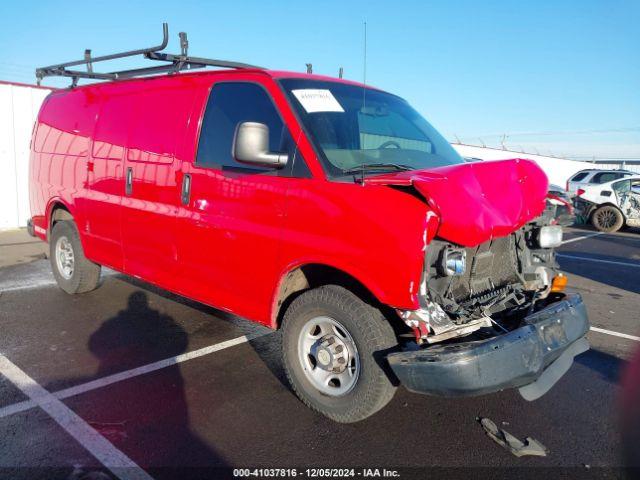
(520, 449)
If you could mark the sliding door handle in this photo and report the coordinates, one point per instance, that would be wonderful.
(185, 194)
(129, 181)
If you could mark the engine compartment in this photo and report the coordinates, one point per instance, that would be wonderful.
(502, 278)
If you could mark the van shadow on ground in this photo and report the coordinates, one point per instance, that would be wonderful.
(145, 417)
(268, 347)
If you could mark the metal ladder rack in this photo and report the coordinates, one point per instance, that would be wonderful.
(175, 63)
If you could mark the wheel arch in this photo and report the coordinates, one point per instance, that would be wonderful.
(606, 204)
(56, 211)
(303, 277)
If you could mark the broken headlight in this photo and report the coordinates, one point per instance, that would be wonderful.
(549, 236)
(453, 262)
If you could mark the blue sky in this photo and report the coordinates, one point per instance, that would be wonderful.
(556, 76)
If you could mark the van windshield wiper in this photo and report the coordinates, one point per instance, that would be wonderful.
(365, 167)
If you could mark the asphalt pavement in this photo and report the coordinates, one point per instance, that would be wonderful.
(131, 381)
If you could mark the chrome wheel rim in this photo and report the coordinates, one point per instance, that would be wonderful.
(606, 219)
(328, 356)
(65, 258)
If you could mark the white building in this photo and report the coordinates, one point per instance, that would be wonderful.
(558, 170)
(19, 105)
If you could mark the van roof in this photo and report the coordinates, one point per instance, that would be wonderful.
(275, 74)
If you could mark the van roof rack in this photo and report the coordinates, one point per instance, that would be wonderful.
(175, 63)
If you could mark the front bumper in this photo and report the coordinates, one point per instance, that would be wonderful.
(531, 358)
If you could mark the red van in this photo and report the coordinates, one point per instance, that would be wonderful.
(326, 208)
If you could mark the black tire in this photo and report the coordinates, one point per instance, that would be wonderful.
(373, 337)
(607, 219)
(85, 274)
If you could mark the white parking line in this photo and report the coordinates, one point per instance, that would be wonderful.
(615, 334)
(103, 450)
(17, 408)
(134, 372)
(598, 260)
(577, 239)
(34, 284)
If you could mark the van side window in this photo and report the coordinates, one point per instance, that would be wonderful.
(230, 104)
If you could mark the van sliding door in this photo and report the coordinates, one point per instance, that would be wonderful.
(104, 181)
(151, 194)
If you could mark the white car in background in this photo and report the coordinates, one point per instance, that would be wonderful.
(611, 205)
(593, 176)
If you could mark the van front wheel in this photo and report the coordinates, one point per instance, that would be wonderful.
(73, 272)
(334, 346)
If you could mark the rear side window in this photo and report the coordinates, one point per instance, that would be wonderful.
(579, 177)
(230, 104)
(605, 177)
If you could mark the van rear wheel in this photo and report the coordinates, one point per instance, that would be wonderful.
(73, 272)
(333, 348)
(607, 219)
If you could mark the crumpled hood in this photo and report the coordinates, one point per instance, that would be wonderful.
(477, 201)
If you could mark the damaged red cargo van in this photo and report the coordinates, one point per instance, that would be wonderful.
(326, 208)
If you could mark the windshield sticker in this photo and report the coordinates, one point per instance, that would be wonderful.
(317, 100)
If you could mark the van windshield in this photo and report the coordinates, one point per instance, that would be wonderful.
(358, 129)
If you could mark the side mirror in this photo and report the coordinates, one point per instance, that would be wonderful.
(251, 145)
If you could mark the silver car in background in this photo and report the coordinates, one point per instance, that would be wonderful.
(594, 176)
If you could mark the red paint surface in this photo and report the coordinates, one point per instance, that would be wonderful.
(478, 201)
(241, 233)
